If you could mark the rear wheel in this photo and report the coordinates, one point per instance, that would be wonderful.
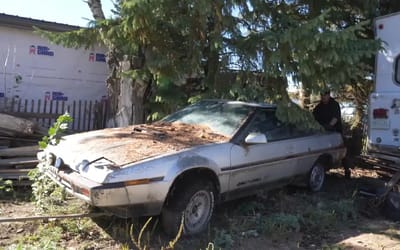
(316, 177)
(194, 201)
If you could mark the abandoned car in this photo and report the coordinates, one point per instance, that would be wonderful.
(211, 151)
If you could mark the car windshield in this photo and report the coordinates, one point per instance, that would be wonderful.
(221, 117)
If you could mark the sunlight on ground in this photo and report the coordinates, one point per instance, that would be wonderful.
(371, 241)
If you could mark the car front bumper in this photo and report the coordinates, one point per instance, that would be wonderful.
(120, 198)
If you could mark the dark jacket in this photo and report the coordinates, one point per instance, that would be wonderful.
(324, 113)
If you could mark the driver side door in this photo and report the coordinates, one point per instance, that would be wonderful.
(261, 163)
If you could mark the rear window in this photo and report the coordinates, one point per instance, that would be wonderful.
(397, 69)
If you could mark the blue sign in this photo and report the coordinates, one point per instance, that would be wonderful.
(44, 50)
(100, 57)
(58, 96)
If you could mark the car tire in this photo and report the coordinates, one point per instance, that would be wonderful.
(316, 177)
(193, 200)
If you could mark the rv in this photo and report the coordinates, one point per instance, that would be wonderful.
(384, 103)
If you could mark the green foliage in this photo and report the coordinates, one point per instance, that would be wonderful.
(291, 113)
(250, 208)
(46, 238)
(46, 194)
(185, 50)
(6, 187)
(85, 38)
(328, 215)
(50, 235)
(223, 240)
(281, 223)
(56, 131)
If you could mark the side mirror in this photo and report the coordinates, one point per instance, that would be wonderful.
(256, 138)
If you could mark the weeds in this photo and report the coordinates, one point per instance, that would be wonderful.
(250, 208)
(56, 131)
(223, 239)
(6, 188)
(281, 223)
(46, 193)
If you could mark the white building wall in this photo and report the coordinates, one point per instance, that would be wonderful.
(32, 68)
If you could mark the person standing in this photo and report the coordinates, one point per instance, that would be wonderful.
(327, 113)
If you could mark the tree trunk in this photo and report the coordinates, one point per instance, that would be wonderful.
(95, 7)
(126, 96)
(129, 104)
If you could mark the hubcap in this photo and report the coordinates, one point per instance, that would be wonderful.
(317, 177)
(198, 211)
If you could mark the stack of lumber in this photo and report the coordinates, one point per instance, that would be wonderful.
(18, 146)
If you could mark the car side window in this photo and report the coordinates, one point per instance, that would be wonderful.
(297, 132)
(266, 122)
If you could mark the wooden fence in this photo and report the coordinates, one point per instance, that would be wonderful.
(87, 114)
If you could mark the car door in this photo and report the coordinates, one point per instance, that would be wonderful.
(262, 163)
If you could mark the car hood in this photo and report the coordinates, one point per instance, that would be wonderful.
(132, 143)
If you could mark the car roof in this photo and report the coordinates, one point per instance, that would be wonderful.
(250, 104)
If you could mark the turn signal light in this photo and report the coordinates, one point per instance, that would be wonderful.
(137, 182)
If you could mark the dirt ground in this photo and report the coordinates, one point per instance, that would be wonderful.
(230, 228)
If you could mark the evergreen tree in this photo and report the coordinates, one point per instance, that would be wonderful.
(164, 54)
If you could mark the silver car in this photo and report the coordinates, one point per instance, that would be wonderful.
(208, 152)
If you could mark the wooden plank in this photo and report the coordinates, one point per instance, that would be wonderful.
(63, 107)
(73, 115)
(18, 161)
(84, 116)
(57, 106)
(79, 114)
(16, 124)
(12, 108)
(44, 111)
(33, 115)
(19, 151)
(25, 105)
(89, 116)
(32, 106)
(14, 174)
(50, 112)
(104, 113)
(18, 139)
(38, 110)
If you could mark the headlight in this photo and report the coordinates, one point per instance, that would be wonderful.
(59, 162)
(50, 159)
(82, 165)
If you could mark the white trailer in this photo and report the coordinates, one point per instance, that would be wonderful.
(384, 102)
(34, 69)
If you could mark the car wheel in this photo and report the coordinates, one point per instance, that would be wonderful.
(316, 177)
(195, 201)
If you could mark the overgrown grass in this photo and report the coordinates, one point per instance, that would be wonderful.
(275, 217)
